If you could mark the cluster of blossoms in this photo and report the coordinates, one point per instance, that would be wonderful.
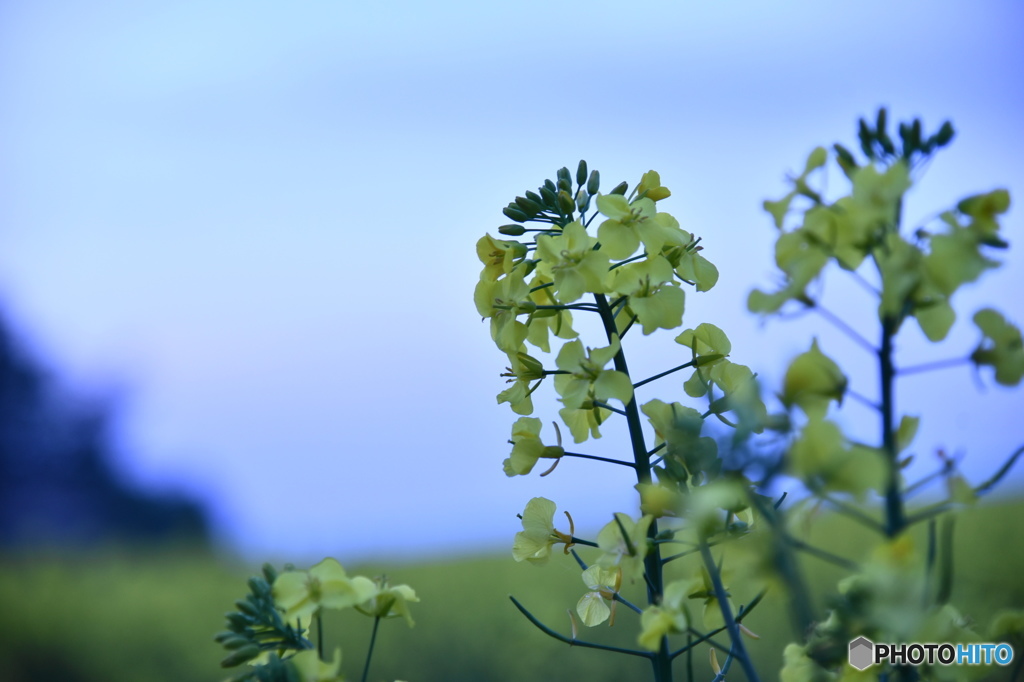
(887, 598)
(629, 273)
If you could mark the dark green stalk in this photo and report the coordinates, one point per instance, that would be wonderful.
(319, 636)
(895, 516)
(369, 652)
(660, 660)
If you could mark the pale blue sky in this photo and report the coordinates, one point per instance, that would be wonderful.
(255, 222)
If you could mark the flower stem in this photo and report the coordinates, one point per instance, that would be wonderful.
(730, 623)
(369, 652)
(661, 660)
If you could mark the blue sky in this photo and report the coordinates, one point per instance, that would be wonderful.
(254, 223)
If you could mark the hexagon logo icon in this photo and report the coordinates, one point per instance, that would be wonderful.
(862, 653)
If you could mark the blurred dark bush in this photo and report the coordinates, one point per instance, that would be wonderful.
(58, 487)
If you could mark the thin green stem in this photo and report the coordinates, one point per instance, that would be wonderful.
(929, 366)
(851, 512)
(572, 641)
(843, 327)
(369, 652)
(663, 374)
(1003, 470)
(743, 612)
(831, 558)
(863, 400)
(598, 403)
(730, 622)
(598, 459)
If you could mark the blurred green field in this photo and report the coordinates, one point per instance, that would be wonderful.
(149, 616)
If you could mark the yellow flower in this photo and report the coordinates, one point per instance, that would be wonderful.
(604, 584)
(587, 380)
(523, 370)
(502, 301)
(499, 256)
(650, 186)
(665, 618)
(629, 224)
(625, 550)
(390, 601)
(570, 261)
(812, 381)
(303, 593)
(534, 542)
(1001, 347)
(527, 447)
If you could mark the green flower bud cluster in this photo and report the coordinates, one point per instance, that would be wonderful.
(257, 626)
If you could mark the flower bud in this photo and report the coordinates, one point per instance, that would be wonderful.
(246, 653)
(565, 202)
(581, 173)
(235, 642)
(549, 196)
(582, 201)
(866, 139)
(512, 230)
(594, 182)
(259, 586)
(620, 188)
(247, 607)
(564, 181)
(529, 206)
(945, 134)
(515, 213)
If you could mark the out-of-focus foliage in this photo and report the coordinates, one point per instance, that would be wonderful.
(148, 617)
